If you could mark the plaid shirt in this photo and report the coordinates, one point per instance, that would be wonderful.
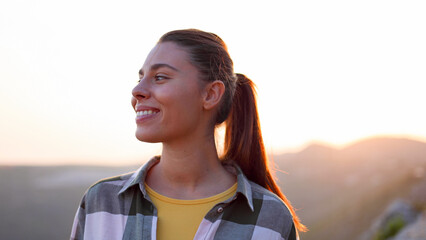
(120, 208)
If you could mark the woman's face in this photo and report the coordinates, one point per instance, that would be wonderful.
(168, 97)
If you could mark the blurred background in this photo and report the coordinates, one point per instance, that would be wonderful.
(340, 86)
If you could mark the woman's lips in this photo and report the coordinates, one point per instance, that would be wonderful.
(145, 113)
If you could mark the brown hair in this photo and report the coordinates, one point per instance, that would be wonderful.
(243, 137)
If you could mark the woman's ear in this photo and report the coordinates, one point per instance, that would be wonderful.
(213, 94)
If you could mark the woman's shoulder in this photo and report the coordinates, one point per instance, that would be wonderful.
(114, 188)
(265, 200)
(268, 214)
(108, 186)
(270, 202)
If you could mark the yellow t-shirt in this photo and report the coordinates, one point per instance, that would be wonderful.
(179, 219)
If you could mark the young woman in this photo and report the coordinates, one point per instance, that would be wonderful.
(186, 88)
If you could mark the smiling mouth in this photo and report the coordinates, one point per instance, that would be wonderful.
(146, 113)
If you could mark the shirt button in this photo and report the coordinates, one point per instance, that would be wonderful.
(219, 210)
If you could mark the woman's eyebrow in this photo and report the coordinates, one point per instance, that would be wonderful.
(159, 65)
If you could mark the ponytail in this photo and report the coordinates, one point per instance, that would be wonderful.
(244, 143)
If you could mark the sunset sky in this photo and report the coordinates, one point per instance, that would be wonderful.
(327, 71)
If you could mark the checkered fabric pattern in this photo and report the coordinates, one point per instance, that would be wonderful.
(120, 208)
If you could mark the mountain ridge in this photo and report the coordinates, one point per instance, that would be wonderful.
(338, 187)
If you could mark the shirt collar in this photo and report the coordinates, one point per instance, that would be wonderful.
(139, 176)
(243, 184)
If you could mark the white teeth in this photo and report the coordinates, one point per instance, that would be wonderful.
(145, 113)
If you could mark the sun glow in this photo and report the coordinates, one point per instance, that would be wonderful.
(327, 71)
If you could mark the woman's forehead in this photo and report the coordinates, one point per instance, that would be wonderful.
(166, 53)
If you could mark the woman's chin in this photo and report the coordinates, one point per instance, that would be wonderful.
(144, 137)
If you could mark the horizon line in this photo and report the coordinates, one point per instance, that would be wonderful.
(74, 162)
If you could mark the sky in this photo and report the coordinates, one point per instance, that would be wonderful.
(326, 71)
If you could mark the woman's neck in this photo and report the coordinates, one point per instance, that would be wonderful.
(190, 171)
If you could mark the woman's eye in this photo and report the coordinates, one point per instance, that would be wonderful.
(160, 77)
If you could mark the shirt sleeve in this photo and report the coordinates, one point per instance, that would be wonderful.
(77, 231)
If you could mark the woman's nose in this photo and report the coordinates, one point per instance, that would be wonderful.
(141, 91)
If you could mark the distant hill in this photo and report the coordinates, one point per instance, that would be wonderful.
(338, 191)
